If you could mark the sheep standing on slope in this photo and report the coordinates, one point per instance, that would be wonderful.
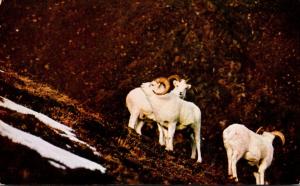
(240, 142)
(140, 108)
(174, 113)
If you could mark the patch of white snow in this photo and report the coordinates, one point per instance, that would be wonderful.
(48, 150)
(66, 131)
(57, 165)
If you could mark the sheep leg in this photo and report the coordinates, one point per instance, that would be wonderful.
(229, 160)
(235, 158)
(198, 149)
(256, 175)
(193, 156)
(139, 127)
(133, 119)
(261, 172)
(162, 140)
(165, 134)
(197, 142)
(170, 136)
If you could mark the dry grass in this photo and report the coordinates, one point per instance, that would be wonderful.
(45, 91)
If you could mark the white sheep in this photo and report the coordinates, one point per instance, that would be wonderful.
(240, 142)
(140, 108)
(169, 110)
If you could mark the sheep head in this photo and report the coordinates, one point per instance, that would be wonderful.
(180, 85)
(180, 88)
(276, 133)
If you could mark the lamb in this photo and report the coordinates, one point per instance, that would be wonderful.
(240, 142)
(168, 110)
(140, 108)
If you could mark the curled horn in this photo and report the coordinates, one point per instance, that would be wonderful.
(258, 130)
(165, 82)
(280, 135)
(175, 76)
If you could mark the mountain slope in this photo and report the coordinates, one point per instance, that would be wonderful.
(127, 157)
(242, 58)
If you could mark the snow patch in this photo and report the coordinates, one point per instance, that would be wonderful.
(64, 130)
(48, 150)
(43, 118)
(57, 165)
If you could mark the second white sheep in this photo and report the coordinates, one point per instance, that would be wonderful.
(241, 142)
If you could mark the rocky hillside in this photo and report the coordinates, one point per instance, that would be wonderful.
(129, 158)
(75, 61)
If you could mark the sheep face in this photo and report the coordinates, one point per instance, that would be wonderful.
(180, 88)
(149, 87)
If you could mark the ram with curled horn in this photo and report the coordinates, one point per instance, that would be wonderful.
(173, 113)
(141, 109)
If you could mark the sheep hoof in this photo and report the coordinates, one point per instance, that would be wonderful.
(232, 178)
(162, 143)
(130, 126)
(130, 131)
(169, 149)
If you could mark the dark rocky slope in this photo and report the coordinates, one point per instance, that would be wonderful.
(242, 57)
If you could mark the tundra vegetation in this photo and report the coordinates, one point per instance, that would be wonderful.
(242, 58)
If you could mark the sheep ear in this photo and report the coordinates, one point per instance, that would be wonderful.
(189, 86)
(175, 82)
